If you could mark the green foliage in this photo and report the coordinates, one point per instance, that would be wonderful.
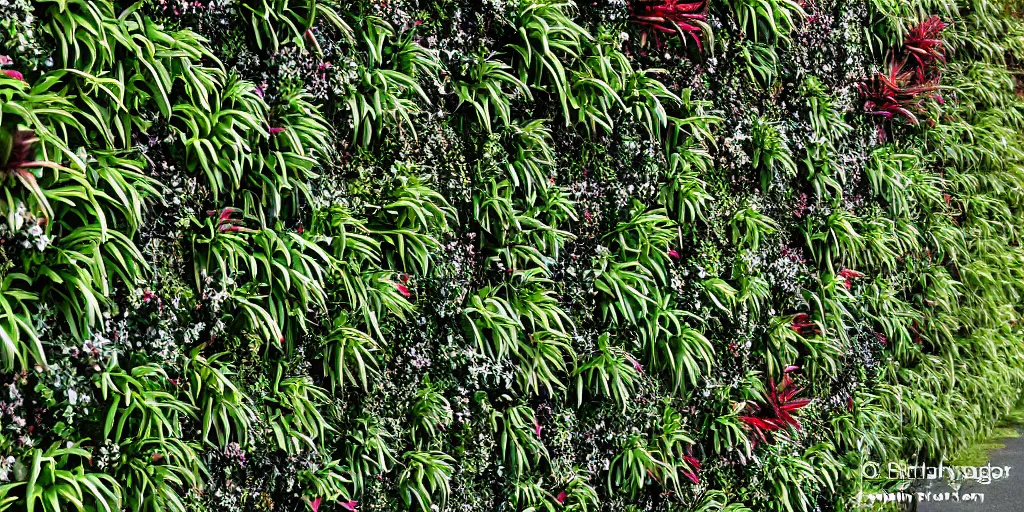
(301, 255)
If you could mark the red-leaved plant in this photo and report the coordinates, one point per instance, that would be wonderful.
(912, 77)
(925, 46)
(683, 17)
(777, 414)
(898, 93)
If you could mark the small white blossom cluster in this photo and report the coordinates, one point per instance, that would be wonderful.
(6, 464)
(28, 230)
(18, 29)
(107, 456)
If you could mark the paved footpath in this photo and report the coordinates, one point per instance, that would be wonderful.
(1003, 495)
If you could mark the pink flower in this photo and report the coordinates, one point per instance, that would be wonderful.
(274, 130)
(404, 290)
(560, 498)
(791, 368)
(14, 74)
(315, 504)
(673, 253)
(881, 338)
(850, 274)
(5, 60)
(636, 365)
(536, 426)
(226, 221)
(349, 505)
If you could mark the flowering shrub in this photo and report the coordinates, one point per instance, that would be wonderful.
(503, 254)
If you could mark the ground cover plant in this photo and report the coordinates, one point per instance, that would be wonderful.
(502, 255)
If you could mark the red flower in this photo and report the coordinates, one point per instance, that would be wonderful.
(404, 290)
(14, 74)
(636, 364)
(673, 253)
(803, 326)
(349, 505)
(560, 498)
(315, 504)
(850, 274)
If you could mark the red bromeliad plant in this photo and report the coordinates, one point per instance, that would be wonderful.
(683, 17)
(777, 414)
(912, 78)
(898, 93)
(926, 47)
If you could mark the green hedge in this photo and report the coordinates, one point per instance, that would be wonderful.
(502, 255)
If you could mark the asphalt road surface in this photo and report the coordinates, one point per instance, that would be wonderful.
(1005, 494)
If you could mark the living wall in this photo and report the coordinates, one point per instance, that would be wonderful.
(502, 255)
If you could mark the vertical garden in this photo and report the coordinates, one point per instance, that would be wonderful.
(502, 255)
